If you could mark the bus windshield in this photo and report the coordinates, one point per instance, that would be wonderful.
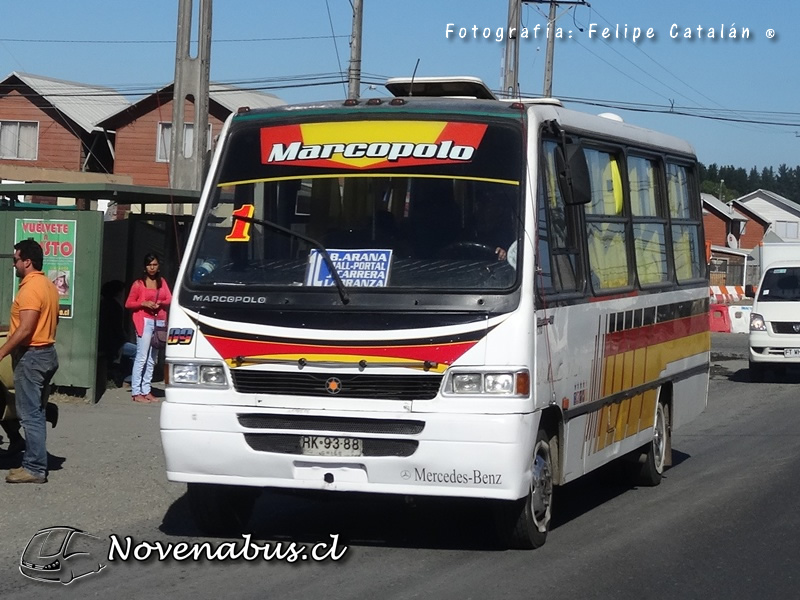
(438, 224)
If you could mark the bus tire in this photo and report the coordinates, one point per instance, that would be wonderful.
(221, 509)
(655, 454)
(528, 519)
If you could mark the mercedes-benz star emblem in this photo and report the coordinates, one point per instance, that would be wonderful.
(333, 385)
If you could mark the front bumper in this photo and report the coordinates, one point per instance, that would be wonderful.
(455, 455)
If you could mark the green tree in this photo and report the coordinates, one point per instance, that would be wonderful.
(753, 181)
(767, 178)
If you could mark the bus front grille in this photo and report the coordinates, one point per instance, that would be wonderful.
(291, 444)
(378, 387)
(330, 424)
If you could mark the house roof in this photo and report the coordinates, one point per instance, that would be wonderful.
(732, 251)
(746, 210)
(234, 98)
(726, 211)
(771, 196)
(84, 104)
(116, 192)
(224, 99)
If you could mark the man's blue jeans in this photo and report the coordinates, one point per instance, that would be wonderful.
(33, 370)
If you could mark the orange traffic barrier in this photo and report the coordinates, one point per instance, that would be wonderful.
(719, 318)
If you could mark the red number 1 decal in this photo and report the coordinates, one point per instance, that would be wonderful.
(241, 229)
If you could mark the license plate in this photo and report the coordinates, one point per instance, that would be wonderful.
(791, 352)
(317, 445)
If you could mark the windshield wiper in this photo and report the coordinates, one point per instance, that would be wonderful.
(323, 252)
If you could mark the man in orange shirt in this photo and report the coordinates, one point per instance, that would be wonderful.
(31, 344)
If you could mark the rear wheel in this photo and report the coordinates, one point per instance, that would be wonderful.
(526, 522)
(655, 455)
(221, 509)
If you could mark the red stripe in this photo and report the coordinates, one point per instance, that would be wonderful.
(641, 337)
(631, 294)
(441, 353)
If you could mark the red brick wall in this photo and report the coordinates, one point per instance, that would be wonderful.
(59, 148)
(717, 232)
(716, 229)
(753, 234)
(136, 145)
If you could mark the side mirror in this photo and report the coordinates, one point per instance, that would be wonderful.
(749, 291)
(573, 175)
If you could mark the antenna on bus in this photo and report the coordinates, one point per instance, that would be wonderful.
(411, 85)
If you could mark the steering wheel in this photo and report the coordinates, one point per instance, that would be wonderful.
(468, 251)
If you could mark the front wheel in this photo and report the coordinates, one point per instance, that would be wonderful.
(525, 523)
(221, 509)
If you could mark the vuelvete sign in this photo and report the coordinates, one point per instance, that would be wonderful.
(57, 239)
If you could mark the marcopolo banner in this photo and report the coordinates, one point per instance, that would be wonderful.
(57, 239)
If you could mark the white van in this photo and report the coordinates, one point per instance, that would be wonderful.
(775, 319)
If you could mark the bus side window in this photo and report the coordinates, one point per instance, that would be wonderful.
(649, 227)
(557, 252)
(606, 223)
(686, 238)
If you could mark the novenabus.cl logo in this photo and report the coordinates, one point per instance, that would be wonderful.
(63, 554)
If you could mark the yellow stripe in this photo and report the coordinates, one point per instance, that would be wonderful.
(629, 369)
(339, 358)
(337, 175)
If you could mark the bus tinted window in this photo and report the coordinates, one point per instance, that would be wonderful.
(606, 223)
(678, 191)
(686, 247)
(649, 226)
(685, 225)
(558, 253)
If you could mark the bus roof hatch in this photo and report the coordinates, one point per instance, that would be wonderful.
(451, 87)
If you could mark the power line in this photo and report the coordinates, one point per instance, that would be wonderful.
(333, 35)
(662, 67)
(758, 117)
(672, 110)
(172, 42)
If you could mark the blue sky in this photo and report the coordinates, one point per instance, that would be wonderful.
(742, 79)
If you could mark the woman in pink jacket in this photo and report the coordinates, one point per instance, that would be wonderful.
(148, 299)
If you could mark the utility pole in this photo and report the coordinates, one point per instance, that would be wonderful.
(511, 65)
(551, 44)
(191, 81)
(511, 59)
(354, 70)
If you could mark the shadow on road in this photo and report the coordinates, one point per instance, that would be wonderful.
(733, 373)
(54, 463)
(397, 521)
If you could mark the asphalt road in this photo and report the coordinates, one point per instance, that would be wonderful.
(723, 523)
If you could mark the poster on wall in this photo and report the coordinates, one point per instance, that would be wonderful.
(57, 238)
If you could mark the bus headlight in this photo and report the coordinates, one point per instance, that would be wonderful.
(498, 383)
(495, 383)
(757, 322)
(198, 374)
(467, 383)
